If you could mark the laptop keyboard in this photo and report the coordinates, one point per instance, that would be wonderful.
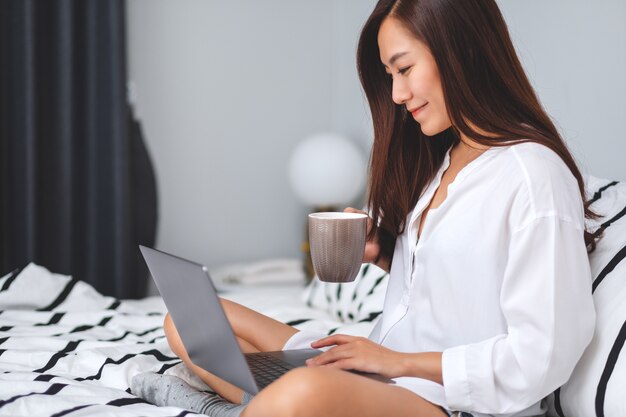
(266, 368)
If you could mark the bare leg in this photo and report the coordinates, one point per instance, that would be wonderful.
(255, 333)
(261, 331)
(314, 392)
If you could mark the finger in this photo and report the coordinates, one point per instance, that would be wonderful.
(346, 364)
(332, 355)
(336, 339)
(356, 362)
(372, 250)
(353, 210)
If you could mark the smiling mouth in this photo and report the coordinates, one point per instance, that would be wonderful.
(418, 109)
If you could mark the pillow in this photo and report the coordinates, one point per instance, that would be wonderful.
(350, 302)
(596, 387)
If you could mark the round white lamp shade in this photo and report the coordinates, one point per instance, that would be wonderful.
(327, 170)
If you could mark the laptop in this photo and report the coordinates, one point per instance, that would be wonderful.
(192, 301)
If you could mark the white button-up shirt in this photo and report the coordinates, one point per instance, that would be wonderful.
(499, 282)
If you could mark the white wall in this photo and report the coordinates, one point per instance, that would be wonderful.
(226, 89)
(574, 52)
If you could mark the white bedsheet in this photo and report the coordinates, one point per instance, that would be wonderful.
(67, 350)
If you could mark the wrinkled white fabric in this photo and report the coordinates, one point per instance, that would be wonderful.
(499, 282)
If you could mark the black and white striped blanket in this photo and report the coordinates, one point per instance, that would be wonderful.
(65, 349)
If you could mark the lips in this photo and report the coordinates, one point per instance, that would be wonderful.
(416, 110)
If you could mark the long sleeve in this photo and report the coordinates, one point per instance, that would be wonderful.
(547, 304)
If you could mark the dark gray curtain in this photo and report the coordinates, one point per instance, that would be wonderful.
(78, 191)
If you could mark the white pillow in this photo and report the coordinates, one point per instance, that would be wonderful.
(358, 301)
(596, 387)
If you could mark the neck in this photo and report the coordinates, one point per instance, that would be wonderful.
(466, 150)
(469, 145)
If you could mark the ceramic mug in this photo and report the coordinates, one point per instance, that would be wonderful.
(337, 242)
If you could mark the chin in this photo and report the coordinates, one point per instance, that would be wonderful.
(431, 130)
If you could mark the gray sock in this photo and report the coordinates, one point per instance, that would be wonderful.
(167, 390)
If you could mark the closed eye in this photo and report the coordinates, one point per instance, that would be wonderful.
(401, 71)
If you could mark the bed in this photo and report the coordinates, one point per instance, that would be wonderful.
(65, 349)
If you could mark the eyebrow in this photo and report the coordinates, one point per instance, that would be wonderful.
(395, 57)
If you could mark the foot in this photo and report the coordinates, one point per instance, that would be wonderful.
(166, 390)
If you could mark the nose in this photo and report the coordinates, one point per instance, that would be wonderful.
(400, 93)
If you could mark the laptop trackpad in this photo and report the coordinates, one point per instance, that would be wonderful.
(297, 357)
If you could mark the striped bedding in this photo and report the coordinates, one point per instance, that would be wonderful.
(596, 387)
(65, 349)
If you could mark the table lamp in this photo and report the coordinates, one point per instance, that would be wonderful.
(326, 171)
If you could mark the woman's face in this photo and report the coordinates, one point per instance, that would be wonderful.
(415, 77)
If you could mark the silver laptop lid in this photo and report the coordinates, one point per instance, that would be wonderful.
(192, 301)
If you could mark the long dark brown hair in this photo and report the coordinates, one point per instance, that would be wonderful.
(483, 83)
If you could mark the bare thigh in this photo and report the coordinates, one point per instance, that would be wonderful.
(263, 332)
(315, 392)
(255, 333)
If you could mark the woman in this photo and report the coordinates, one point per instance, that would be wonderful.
(478, 213)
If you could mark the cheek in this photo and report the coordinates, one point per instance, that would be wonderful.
(442, 110)
(427, 85)
(438, 100)
(436, 90)
(437, 119)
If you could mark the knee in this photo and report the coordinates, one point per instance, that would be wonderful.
(173, 339)
(300, 384)
(294, 394)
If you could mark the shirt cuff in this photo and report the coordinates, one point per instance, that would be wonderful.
(455, 382)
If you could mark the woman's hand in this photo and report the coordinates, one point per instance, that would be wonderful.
(372, 247)
(359, 354)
